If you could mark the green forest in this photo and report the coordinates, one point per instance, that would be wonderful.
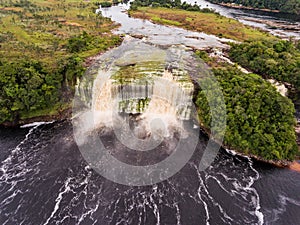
(176, 4)
(272, 59)
(27, 86)
(287, 6)
(44, 49)
(259, 120)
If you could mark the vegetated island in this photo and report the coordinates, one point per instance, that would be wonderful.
(260, 121)
(45, 47)
(285, 6)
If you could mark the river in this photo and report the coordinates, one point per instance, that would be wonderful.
(281, 24)
(46, 179)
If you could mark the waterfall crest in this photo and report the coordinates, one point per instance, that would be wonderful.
(146, 85)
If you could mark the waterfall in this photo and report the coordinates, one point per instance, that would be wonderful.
(143, 86)
(164, 114)
(163, 104)
(166, 95)
(104, 100)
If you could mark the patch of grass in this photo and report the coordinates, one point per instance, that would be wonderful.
(40, 29)
(210, 23)
(165, 21)
(44, 34)
(139, 73)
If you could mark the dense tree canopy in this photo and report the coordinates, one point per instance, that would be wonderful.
(43, 49)
(259, 120)
(27, 85)
(288, 6)
(279, 59)
(168, 4)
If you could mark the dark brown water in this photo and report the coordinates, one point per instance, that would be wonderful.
(45, 180)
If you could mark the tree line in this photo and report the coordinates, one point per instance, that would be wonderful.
(176, 4)
(43, 50)
(272, 59)
(259, 120)
(28, 85)
(287, 6)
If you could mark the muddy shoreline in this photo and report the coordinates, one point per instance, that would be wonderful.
(235, 6)
(276, 24)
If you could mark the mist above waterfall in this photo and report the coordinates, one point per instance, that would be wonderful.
(142, 85)
(133, 113)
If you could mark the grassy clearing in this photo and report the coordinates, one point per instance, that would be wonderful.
(43, 47)
(140, 73)
(210, 23)
(39, 29)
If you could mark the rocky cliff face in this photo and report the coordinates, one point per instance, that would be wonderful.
(135, 79)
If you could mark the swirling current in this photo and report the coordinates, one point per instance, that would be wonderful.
(45, 180)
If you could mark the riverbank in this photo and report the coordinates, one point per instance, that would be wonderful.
(58, 112)
(236, 6)
(249, 128)
(44, 48)
(207, 22)
(295, 166)
(291, 7)
(59, 115)
(292, 164)
(291, 27)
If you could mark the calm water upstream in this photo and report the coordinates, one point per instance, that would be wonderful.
(44, 178)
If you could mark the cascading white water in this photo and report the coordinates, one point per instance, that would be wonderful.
(163, 117)
(169, 104)
(103, 104)
(103, 101)
(132, 85)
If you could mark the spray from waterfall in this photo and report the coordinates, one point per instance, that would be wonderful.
(103, 105)
(161, 118)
